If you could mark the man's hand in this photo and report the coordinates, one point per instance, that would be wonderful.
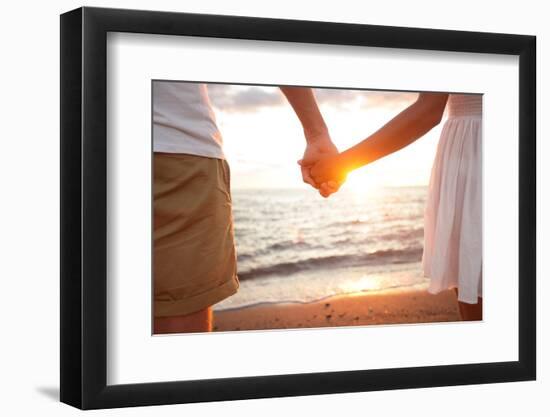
(318, 147)
(302, 100)
(329, 169)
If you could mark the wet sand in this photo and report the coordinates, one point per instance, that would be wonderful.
(360, 309)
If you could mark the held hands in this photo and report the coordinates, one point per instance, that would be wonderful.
(319, 165)
(328, 169)
(328, 174)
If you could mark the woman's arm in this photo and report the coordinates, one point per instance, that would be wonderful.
(409, 125)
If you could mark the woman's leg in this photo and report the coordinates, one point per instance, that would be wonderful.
(200, 321)
(470, 312)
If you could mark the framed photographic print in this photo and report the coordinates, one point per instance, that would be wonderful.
(257, 207)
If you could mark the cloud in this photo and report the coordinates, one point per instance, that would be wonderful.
(388, 99)
(367, 99)
(238, 98)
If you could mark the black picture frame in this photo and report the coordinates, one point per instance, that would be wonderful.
(83, 311)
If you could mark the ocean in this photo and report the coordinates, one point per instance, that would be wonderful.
(295, 246)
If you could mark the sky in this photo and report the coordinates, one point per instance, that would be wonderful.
(263, 139)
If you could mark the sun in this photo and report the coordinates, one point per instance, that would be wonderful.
(363, 181)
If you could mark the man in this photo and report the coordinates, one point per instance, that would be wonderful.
(194, 257)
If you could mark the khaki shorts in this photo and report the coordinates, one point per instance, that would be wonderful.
(194, 261)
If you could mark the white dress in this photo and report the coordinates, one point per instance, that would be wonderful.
(452, 255)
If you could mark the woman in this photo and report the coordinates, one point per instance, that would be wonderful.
(452, 255)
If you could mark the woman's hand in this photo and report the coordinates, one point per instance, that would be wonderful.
(329, 170)
(328, 188)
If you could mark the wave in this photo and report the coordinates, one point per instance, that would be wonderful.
(393, 256)
(342, 239)
(352, 222)
(276, 247)
(399, 235)
(287, 244)
(375, 219)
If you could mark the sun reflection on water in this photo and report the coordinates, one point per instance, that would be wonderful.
(364, 283)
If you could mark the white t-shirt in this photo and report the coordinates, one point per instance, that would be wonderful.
(183, 120)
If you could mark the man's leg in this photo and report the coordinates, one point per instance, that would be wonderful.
(191, 218)
(200, 321)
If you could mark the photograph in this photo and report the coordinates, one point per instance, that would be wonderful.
(292, 207)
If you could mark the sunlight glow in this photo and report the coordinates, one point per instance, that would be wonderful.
(363, 182)
(364, 283)
(263, 145)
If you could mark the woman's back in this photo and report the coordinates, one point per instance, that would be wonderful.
(462, 105)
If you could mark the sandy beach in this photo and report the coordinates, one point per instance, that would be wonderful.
(359, 309)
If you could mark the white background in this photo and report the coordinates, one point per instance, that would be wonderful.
(30, 206)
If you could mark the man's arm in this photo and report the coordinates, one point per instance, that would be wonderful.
(305, 106)
(315, 129)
